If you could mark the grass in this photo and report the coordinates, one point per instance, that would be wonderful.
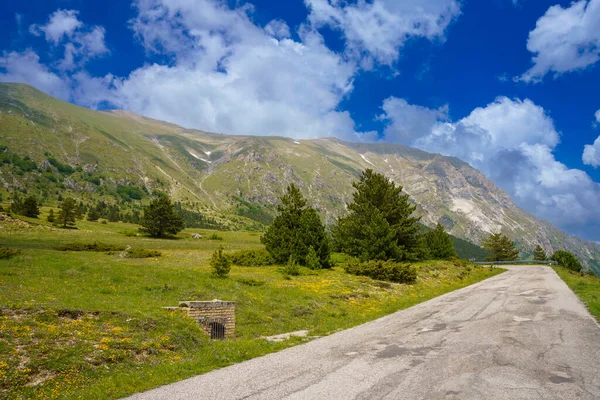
(585, 286)
(91, 324)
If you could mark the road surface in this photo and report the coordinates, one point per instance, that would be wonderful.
(520, 335)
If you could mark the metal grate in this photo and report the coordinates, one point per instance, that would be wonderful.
(217, 330)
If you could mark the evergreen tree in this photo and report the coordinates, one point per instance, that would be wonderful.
(93, 215)
(380, 225)
(16, 206)
(539, 254)
(500, 248)
(220, 263)
(30, 207)
(295, 229)
(439, 244)
(66, 215)
(160, 218)
(567, 259)
(50, 217)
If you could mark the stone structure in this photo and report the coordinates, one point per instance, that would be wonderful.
(217, 318)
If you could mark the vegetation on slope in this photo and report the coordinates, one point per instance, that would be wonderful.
(90, 325)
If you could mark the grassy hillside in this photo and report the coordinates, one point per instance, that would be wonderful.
(90, 325)
(235, 181)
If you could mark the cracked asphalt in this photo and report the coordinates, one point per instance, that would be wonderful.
(520, 335)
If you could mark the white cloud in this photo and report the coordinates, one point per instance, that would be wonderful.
(564, 40)
(26, 68)
(230, 75)
(591, 153)
(61, 23)
(377, 30)
(512, 142)
(407, 122)
(597, 115)
(278, 29)
(80, 43)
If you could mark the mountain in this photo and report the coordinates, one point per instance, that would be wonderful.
(236, 180)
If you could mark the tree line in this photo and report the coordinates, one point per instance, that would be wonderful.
(380, 226)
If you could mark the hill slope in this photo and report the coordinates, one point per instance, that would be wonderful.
(237, 179)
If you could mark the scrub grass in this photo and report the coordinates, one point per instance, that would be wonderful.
(585, 286)
(91, 324)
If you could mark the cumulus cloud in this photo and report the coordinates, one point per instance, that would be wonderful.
(230, 75)
(512, 142)
(61, 23)
(26, 68)
(564, 40)
(591, 152)
(377, 30)
(407, 122)
(80, 43)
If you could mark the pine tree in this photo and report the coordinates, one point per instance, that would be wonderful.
(93, 215)
(30, 207)
(66, 215)
(439, 244)
(50, 217)
(500, 248)
(295, 229)
(539, 254)
(380, 225)
(160, 218)
(567, 259)
(220, 264)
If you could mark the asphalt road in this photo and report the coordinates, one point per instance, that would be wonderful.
(520, 335)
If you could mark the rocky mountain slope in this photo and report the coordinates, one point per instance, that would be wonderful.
(237, 179)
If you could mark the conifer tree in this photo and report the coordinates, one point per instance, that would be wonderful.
(567, 259)
(500, 248)
(93, 215)
(30, 207)
(66, 215)
(50, 217)
(160, 218)
(295, 229)
(539, 254)
(439, 244)
(380, 225)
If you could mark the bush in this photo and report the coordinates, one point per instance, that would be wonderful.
(251, 258)
(142, 253)
(214, 236)
(383, 270)
(291, 268)
(96, 246)
(6, 253)
(220, 263)
(567, 259)
(312, 259)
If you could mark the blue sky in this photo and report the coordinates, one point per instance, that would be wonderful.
(510, 86)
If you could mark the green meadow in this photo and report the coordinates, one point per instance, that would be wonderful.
(91, 324)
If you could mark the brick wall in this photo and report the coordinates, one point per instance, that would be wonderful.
(207, 312)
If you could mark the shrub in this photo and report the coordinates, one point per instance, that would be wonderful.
(567, 260)
(95, 246)
(291, 268)
(312, 259)
(142, 253)
(214, 236)
(6, 253)
(251, 258)
(383, 270)
(220, 263)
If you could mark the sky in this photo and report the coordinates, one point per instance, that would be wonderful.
(510, 86)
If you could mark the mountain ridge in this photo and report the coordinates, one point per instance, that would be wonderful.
(221, 174)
